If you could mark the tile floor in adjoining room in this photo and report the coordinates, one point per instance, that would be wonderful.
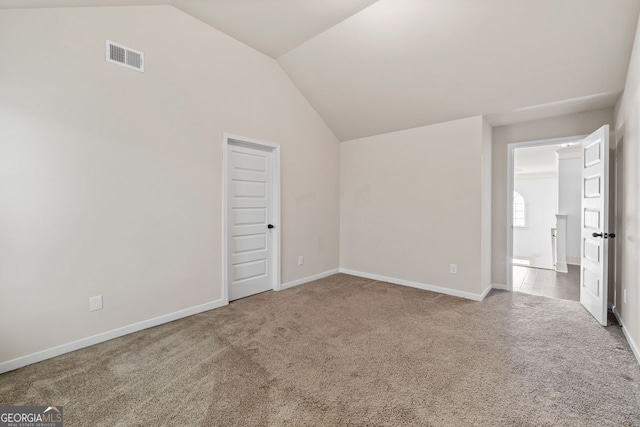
(548, 283)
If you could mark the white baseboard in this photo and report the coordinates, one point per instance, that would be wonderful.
(484, 293)
(561, 267)
(632, 344)
(500, 286)
(49, 353)
(423, 286)
(573, 260)
(309, 279)
(39, 356)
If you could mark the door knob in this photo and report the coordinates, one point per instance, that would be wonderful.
(605, 235)
(270, 226)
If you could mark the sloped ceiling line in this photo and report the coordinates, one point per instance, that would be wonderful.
(371, 67)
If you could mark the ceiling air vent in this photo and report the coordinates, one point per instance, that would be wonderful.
(125, 56)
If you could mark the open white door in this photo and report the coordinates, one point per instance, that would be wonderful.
(595, 220)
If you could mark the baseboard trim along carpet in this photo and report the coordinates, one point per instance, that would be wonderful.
(305, 356)
(39, 356)
(499, 286)
(309, 279)
(49, 353)
(423, 286)
(627, 335)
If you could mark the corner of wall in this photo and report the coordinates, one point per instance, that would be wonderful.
(486, 203)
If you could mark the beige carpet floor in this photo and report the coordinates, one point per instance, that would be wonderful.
(350, 351)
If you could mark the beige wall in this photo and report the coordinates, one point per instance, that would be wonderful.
(411, 204)
(556, 127)
(627, 129)
(110, 179)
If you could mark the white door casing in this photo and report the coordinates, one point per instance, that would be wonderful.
(252, 243)
(595, 220)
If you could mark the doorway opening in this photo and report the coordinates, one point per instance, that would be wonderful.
(250, 217)
(546, 219)
(556, 249)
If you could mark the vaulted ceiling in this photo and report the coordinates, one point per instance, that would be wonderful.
(405, 63)
(371, 67)
(273, 27)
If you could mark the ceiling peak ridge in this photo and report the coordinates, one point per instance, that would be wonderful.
(355, 12)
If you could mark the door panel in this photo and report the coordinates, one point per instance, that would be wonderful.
(249, 162)
(592, 219)
(591, 283)
(248, 189)
(595, 207)
(592, 186)
(249, 216)
(250, 270)
(592, 250)
(249, 243)
(250, 210)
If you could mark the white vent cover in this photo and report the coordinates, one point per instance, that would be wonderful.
(125, 56)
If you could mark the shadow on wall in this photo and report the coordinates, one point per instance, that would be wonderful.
(618, 273)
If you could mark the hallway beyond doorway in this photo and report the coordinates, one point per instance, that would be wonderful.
(548, 283)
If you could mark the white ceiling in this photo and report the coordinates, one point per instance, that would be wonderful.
(273, 27)
(554, 109)
(29, 4)
(405, 63)
(535, 160)
(541, 160)
(370, 67)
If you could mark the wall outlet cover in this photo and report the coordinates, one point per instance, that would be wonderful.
(95, 303)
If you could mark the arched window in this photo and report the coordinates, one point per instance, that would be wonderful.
(519, 210)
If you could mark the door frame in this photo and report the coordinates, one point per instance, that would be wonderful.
(231, 139)
(510, 185)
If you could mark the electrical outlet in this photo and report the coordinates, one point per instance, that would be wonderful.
(624, 295)
(300, 260)
(453, 268)
(95, 303)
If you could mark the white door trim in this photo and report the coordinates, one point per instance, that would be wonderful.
(510, 177)
(227, 140)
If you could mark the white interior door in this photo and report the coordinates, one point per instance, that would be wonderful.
(595, 220)
(249, 221)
